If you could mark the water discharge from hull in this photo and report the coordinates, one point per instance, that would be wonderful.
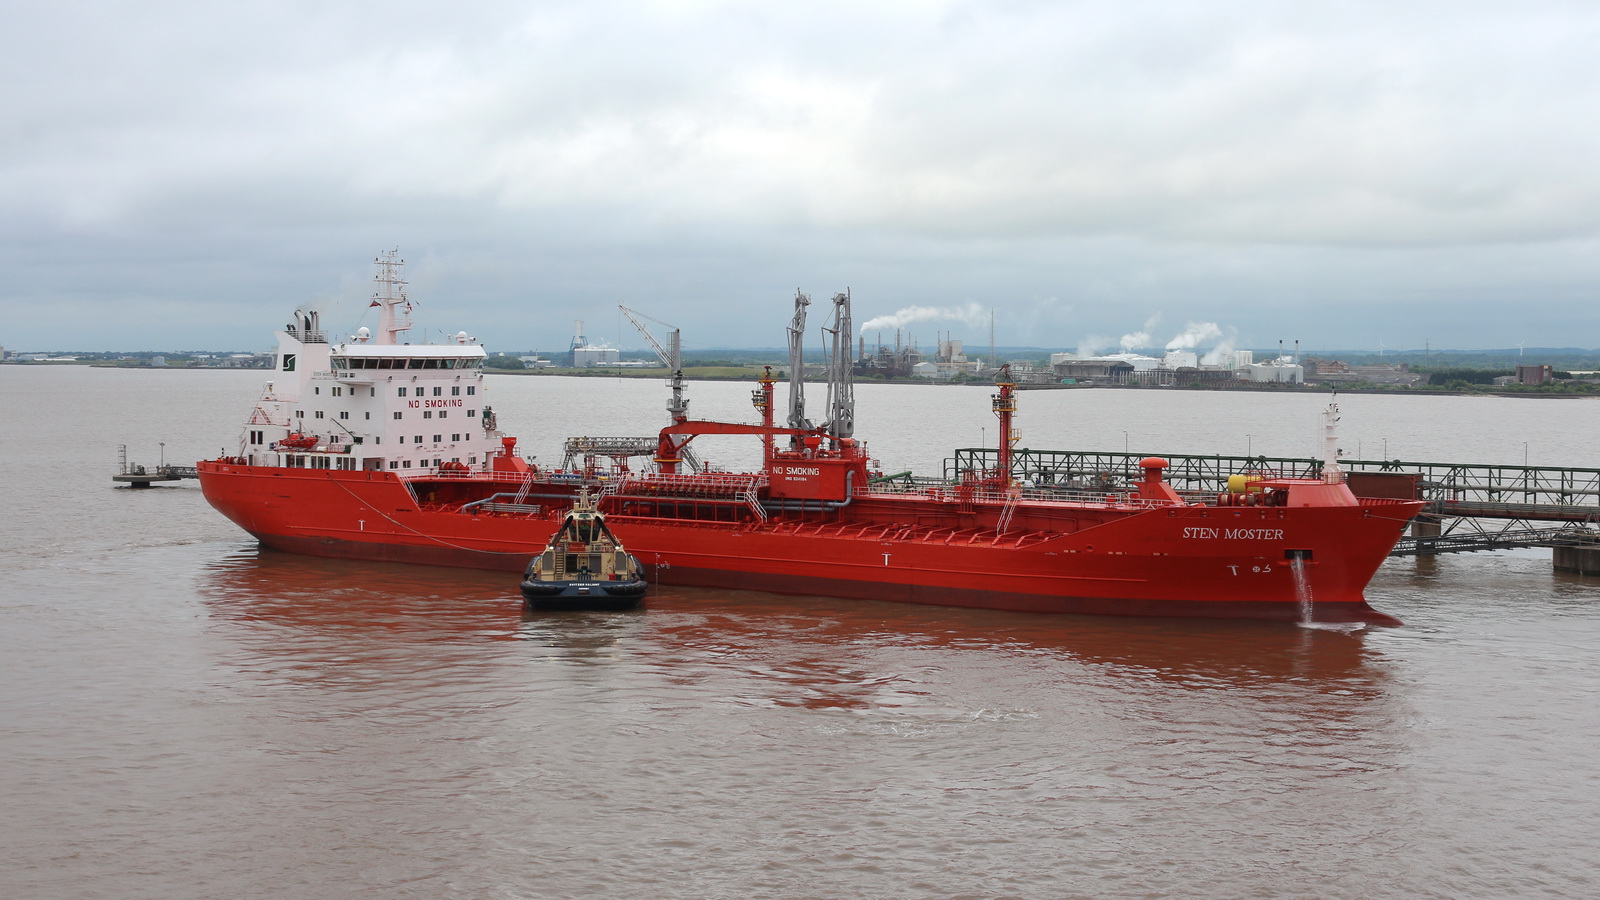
(1302, 591)
(1307, 603)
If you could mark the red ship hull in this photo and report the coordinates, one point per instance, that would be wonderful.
(1111, 558)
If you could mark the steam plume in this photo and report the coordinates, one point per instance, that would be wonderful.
(1136, 340)
(1194, 334)
(971, 315)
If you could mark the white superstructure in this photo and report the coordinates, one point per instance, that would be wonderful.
(373, 402)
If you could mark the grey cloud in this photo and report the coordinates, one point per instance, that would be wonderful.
(1071, 166)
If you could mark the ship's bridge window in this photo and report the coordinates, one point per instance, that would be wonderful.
(381, 362)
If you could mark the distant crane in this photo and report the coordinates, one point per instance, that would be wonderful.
(672, 359)
(672, 447)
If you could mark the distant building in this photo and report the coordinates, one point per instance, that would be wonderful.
(883, 361)
(594, 355)
(1535, 374)
(1107, 369)
(1282, 370)
(1333, 371)
(578, 343)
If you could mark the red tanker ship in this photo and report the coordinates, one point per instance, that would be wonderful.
(408, 465)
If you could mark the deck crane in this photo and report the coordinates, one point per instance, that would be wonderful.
(677, 406)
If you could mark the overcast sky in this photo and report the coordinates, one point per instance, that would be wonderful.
(182, 174)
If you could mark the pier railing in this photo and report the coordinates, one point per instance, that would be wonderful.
(1549, 493)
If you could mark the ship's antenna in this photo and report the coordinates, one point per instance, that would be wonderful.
(1331, 473)
(394, 307)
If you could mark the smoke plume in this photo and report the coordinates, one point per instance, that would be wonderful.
(1194, 334)
(971, 315)
(1137, 340)
(1091, 346)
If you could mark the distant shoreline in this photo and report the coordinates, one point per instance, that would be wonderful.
(751, 373)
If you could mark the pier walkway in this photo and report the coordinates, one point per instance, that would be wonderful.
(1469, 507)
(138, 476)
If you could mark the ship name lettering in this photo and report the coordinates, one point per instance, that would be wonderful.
(1256, 534)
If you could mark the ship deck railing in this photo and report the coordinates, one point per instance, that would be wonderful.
(691, 487)
(954, 493)
(899, 531)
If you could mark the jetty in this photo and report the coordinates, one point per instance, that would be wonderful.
(1469, 507)
(139, 476)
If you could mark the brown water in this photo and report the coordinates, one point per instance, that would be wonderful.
(186, 715)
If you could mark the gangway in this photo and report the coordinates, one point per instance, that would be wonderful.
(579, 451)
(1470, 535)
